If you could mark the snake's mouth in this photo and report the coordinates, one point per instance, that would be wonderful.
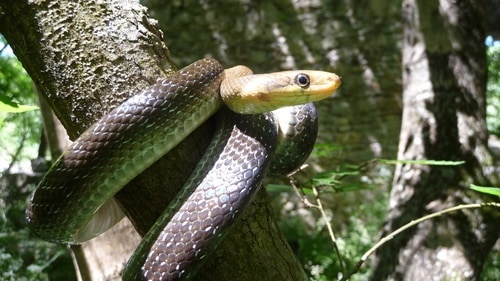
(324, 86)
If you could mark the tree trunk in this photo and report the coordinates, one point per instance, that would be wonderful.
(85, 58)
(444, 81)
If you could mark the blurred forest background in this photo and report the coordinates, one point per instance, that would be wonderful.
(362, 41)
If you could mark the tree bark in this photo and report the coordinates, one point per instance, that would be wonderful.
(444, 82)
(85, 58)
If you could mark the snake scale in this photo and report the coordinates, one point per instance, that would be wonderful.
(73, 202)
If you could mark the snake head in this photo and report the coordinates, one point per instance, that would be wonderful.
(260, 93)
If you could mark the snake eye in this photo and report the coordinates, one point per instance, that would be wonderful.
(302, 80)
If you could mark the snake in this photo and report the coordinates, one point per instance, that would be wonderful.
(74, 200)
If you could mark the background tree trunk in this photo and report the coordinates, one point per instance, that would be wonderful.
(444, 82)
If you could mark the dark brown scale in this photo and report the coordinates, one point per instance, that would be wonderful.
(74, 187)
(226, 187)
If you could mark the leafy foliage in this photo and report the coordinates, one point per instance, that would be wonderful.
(355, 206)
(20, 131)
(7, 105)
(491, 269)
(486, 190)
(22, 257)
(422, 162)
(355, 216)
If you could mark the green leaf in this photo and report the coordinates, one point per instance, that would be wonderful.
(278, 187)
(486, 189)
(7, 105)
(422, 162)
(349, 187)
(285, 188)
(326, 178)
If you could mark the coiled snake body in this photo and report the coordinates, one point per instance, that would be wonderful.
(75, 194)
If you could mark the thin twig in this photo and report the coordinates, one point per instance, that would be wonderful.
(318, 206)
(16, 154)
(330, 228)
(298, 191)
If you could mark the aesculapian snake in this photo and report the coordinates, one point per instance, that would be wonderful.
(78, 187)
